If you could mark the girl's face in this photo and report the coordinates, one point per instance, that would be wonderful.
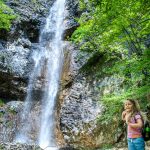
(128, 106)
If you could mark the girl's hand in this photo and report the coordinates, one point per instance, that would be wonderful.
(124, 115)
(127, 117)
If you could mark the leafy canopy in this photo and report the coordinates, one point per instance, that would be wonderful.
(6, 16)
(119, 30)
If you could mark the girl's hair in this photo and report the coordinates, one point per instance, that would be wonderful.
(136, 106)
(136, 109)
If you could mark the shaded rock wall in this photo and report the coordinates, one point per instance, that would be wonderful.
(78, 106)
(18, 45)
(79, 103)
(72, 12)
(16, 62)
(8, 146)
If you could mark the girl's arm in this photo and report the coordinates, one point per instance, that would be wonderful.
(124, 115)
(138, 124)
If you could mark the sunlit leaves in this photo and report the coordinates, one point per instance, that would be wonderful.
(118, 29)
(114, 27)
(6, 16)
(112, 20)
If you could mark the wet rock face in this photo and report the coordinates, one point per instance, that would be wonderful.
(79, 113)
(14, 57)
(32, 15)
(9, 114)
(16, 64)
(11, 121)
(17, 45)
(79, 102)
(12, 146)
(72, 11)
(12, 87)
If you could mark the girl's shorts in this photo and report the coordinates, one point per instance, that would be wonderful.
(136, 144)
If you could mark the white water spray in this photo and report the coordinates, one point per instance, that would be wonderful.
(51, 57)
(54, 25)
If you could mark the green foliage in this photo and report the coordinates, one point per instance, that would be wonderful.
(114, 102)
(11, 111)
(1, 102)
(6, 16)
(107, 25)
(117, 30)
(106, 147)
(1, 147)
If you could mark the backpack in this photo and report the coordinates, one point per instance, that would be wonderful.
(146, 127)
(146, 131)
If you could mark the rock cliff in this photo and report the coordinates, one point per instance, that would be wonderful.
(78, 103)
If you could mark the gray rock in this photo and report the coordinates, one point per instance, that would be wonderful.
(13, 146)
(15, 106)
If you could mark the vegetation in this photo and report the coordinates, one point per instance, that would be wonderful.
(118, 30)
(6, 16)
(1, 102)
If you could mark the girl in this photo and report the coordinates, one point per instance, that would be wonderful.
(131, 115)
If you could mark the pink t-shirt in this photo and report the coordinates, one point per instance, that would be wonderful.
(134, 132)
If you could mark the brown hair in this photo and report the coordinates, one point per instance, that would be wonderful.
(136, 108)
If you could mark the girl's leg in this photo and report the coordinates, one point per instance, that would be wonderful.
(139, 143)
(131, 145)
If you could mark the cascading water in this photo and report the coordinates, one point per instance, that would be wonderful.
(54, 26)
(50, 58)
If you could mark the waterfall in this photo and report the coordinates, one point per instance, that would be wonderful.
(49, 61)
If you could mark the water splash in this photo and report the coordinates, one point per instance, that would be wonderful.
(50, 58)
(54, 25)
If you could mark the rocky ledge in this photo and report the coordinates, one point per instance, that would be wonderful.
(18, 146)
(12, 146)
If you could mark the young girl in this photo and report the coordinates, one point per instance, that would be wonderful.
(131, 115)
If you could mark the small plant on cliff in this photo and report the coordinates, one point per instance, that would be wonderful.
(12, 111)
(6, 16)
(1, 147)
(1, 103)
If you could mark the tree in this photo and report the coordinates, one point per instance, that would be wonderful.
(118, 29)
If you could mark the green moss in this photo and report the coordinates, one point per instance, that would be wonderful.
(1, 103)
(1, 114)
(1, 147)
(11, 111)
